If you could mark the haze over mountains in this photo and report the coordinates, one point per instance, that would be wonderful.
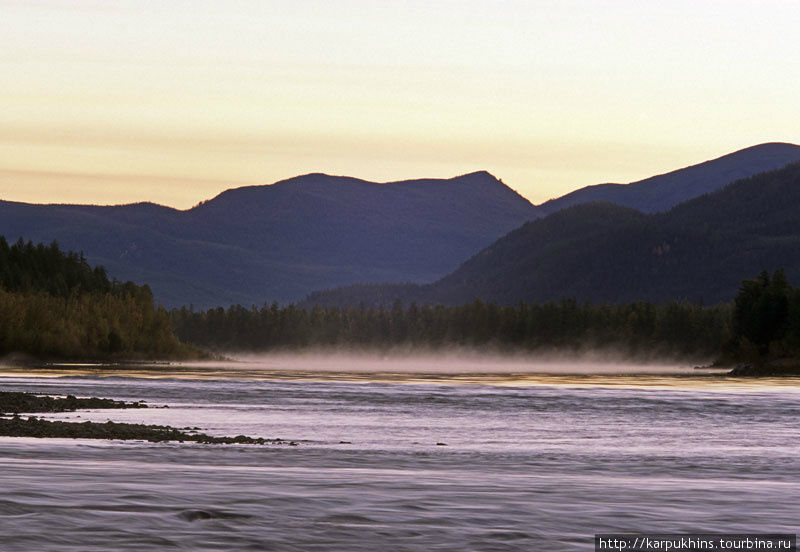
(698, 251)
(281, 242)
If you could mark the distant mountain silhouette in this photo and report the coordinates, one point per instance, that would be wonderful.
(281, 241)
(699, 251)
(664, 191)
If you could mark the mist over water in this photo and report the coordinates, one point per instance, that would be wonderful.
(454, 362)
(371, 366)
(448, 453)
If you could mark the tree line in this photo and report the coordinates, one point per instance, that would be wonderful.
(762, 325)
(640, 330)
(766, 321)
(54, 304)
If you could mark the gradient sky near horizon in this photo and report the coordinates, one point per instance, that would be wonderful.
(174, 101)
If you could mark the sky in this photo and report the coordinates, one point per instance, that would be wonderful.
(174, 101)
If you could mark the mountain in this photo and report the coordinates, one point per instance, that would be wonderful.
(281, 241)
(699, 251)
(662, 192)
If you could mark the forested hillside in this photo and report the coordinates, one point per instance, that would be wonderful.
(699, 251)
(54, 305)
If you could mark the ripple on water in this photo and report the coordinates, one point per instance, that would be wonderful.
(536, 467)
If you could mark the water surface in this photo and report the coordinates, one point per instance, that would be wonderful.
(491, 457)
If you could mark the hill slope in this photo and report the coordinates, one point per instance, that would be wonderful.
(279, 242)
(700, 251)
(664, 191)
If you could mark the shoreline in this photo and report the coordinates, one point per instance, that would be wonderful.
(14, 403)
(770, 370)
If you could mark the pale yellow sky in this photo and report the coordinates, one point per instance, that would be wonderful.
(173, 101)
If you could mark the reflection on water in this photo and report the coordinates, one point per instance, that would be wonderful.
(533, 460)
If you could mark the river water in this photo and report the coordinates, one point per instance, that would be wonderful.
(470, 456)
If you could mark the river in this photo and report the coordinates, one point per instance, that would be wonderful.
(464, 455)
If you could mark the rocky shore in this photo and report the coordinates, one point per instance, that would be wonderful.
(37, 427)
(13, 425)
(16, 403)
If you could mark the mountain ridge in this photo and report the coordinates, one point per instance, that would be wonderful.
(698, 251)
(663, 191)
(279, 242)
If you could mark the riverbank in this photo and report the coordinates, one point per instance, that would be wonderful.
(767, 369)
